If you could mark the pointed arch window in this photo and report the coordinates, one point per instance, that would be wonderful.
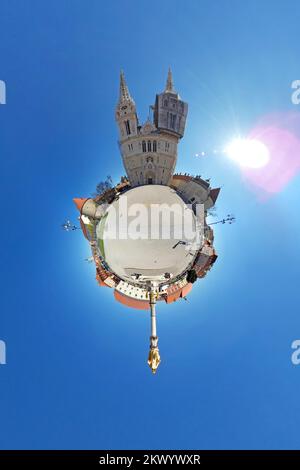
(127, 125)
(154, 146)
(149, 145)
(144, 146)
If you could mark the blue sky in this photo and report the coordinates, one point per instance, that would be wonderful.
(76, 373)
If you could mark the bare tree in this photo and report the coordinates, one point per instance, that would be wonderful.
(103, 186)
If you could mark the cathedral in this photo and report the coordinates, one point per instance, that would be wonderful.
(149, 151)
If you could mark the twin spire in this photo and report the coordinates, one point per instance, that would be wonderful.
(169, 85)
(124, 92)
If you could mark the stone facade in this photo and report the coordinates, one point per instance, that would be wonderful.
(149, 151)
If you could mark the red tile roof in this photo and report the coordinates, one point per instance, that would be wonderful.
(80, 201)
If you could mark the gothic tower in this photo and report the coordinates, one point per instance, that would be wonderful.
(126, 112)
(170, 111)
(149, 152)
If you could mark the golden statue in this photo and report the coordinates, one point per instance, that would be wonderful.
(154, 359)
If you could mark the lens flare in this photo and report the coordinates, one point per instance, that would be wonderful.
(249, 153)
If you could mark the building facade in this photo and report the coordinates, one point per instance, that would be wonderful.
(149, 151)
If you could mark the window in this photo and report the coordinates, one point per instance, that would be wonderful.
(172, 121)
(167, 145)
(166, 103)
(149, 145)
(154, 146)
(127, 127)
(144, 146)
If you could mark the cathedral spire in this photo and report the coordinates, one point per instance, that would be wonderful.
(169, 84)
(125, 112)
(124, 92)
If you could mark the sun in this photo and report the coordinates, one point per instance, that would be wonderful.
(249, 153)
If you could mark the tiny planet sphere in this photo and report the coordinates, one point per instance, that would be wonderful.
(148, 234)
(146, 247)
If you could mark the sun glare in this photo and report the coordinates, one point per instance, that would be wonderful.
(250, 153)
